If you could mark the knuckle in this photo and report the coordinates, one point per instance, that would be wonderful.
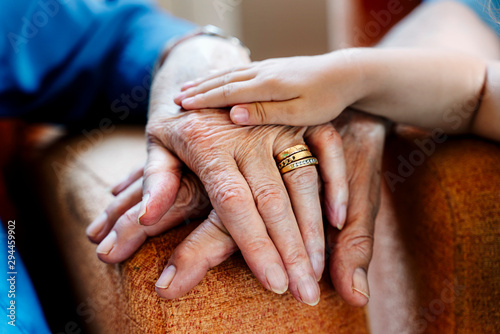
(232, 197)
(226, 78)
(272, 200)
(294, 256)
(113, 208)
(313, 228)
(128, 216)
(190, 193)
(331, 136)
(303, 179)
(227, 90)
(272, 81)
(151, 168)
(258, 245)
(260, 112)
(359, 241)
(187, 251)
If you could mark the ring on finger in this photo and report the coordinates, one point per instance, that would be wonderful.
(295, 157)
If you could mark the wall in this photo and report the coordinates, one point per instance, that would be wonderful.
(270, 28)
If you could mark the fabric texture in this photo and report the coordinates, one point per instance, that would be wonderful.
(60, 56)
(121, 298)
(449, 207)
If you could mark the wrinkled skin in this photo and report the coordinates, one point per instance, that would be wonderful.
(210, 243)
(274, 220)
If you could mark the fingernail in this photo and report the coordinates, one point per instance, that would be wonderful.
(179, 97)
(166, 277)
(318, 263)
(107, 244)
(144, 207)
(239, 115)
(96, 226)
(276, 278)
(341, 215)
(360, 282)
(308, 290)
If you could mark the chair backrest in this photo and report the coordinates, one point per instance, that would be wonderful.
(355, 23)
(9, 135)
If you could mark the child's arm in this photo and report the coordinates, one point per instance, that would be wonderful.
(419, 87)
(433, 90)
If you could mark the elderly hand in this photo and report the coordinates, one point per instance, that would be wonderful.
(275, 221)
(210, 243)
(363, 139)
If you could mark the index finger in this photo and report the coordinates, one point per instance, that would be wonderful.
(215, 74)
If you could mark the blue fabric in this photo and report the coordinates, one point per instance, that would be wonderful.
(18, 300)
(482, 10)
(57, 57)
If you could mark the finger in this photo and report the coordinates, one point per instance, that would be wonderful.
(127, 236)
(274, 206)
(215, 74)
(162, 175)
(353, 246)
(234, 204)
(302, 187)
(228, 95)
(131, 178)
(206, 247)
(126, 199)
(326, 144)
(214, 83)
(289, 112)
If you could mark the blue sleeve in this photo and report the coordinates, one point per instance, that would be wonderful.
(58, 57)
(483, 11)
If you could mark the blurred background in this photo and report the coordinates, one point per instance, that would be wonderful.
(275, 28)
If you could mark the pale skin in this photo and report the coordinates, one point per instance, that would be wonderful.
(458, 93)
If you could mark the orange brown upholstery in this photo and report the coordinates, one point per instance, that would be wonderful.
(122, 297)
(446, 211)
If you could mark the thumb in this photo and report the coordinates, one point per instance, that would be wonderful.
(162, 175)
(206, 247)
(352, 251)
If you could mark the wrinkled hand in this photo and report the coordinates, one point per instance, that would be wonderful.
(118, 223)
(294, 91)
(210, 243)
(351, 249)
(275, 221)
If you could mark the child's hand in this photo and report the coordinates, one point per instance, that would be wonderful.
(290, 91)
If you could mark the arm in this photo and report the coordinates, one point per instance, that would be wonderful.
(60, 57)
(439, 89)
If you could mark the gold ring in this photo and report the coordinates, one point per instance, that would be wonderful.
(299, 164)
(291, 150)
(294, 157)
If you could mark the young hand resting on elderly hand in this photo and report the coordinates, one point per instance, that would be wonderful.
(434, 89)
